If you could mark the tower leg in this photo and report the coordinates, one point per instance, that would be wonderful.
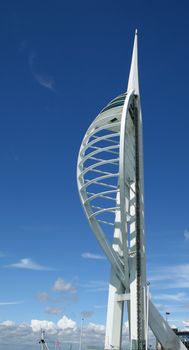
(138, 332)
(114, 321)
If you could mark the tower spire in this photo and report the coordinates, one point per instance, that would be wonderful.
(133, 83)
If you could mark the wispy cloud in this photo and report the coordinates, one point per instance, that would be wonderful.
(4, 303)
(60, 285)
(170, 277)
(3, 254)
(103, 306)
(95, 286)
(8, 323)
(43, 79)
(93, 256)
(171, 297)
(87, 313)
(43, 296)
(28, 264)
(46, 81)
(54, 311)
(186, 235)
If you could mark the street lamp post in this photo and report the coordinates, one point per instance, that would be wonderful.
(166, 316)
(81, 333)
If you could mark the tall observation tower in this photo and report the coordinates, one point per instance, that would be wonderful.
(110, 183)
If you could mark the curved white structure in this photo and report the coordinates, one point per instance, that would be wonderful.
(110, 183)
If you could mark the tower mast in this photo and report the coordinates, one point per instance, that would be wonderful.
(137, 246)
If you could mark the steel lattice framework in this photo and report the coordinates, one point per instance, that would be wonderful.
(110, 183)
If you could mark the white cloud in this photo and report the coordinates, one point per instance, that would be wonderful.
(186, 323)
(22, 336)
(126, 327)
(29, 264)
(88, 255)
(186, 235)
(96, 328)
(61, 285)
(66, 323)
(8, 323)
(37, 325)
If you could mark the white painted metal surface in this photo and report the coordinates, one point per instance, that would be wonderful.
(110, 183)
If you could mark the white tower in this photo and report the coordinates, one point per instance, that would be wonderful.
(110, 183)
(131, 211)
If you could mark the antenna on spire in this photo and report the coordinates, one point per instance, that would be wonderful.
(133, 83)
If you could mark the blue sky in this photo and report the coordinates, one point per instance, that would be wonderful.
(61, 63)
